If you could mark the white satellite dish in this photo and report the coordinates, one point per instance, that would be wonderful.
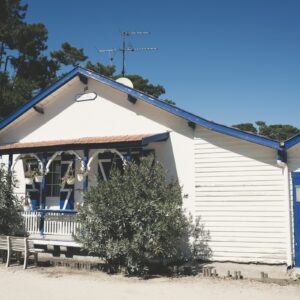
(125, 81)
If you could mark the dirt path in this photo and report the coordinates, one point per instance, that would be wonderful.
(60, 283)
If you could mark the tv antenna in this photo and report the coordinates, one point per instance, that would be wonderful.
(125, 34)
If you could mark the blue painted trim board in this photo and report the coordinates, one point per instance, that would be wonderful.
(160, 137)
(28, 105)
(282, 155)
(292, 141)
(146, 98)
(296, 206)
(60, 211)
(85, 161)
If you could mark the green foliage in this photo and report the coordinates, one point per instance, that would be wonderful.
(136, 217)
(11, 222)
(68, 55)
(139, 83)
(169, 101)
(12, 14)
(25, 69)
(144, 86)
(279, 132)
(249, 127)
(107, 71)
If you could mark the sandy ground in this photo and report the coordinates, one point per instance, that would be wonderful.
(61, 283)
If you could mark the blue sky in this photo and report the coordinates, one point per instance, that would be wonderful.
(229, 61)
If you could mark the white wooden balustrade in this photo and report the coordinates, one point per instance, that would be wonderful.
(32, 221)
(53, 223)
(60, 224)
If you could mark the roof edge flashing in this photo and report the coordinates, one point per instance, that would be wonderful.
(234, 132)
(293, 141)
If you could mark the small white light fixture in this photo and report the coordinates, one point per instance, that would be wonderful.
(87, 96)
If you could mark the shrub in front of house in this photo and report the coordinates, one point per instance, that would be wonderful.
(11, 222)
(136, 219)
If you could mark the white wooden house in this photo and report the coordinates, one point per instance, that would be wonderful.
(243, 186)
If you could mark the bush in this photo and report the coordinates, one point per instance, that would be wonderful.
(136, 218)
(11, 222)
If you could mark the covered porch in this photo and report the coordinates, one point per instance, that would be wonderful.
(52, 176)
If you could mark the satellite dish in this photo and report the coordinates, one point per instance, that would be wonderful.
(125, 81)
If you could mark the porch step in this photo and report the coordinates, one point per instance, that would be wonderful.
(77, 262)
(60, 243)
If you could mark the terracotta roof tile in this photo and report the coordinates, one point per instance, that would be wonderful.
(81, 141)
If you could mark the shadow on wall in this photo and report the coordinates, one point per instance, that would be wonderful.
(194, 251)
(165, 155)
(144, 109)
(36, 120)
(235, 146)
(195, 245)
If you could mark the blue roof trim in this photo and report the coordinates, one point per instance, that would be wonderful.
(60, 211)
(292, 141)
(160, 137)
(28, 105)
(156, 102)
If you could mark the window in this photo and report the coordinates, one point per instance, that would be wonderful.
(53, 180)
(107, 160)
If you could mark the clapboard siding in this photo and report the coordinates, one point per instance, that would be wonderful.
(239, 195)
(245, 180)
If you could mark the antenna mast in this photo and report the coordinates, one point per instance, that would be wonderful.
(125, 48)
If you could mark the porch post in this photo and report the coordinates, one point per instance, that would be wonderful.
(43, 194)
(10, 162)
(129, 156)
(85, 161)
(43, 184)
(42, 223)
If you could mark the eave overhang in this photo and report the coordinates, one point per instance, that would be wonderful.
(84, 73)
(292, 141)
(107, 142)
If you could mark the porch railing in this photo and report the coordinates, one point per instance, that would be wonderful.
(32, 221)
(51, 222)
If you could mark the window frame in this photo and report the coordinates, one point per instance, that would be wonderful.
(50, 180)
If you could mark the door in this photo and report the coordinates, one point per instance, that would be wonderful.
(296, 205)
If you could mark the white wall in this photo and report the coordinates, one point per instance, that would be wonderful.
(234, 185)
(111, 114)
(240, 198)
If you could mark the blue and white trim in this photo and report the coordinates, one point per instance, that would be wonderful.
(292, 141)
(79, 71)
